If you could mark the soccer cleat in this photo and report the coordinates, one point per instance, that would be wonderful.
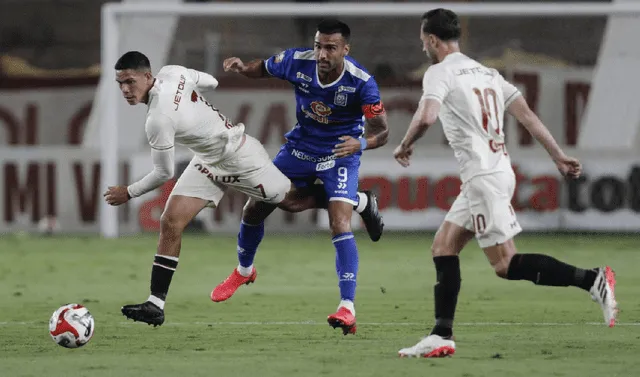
(431, 346)
(344, 319)
(371, 217)
(603, 292)
(228, 287)
(146, 312)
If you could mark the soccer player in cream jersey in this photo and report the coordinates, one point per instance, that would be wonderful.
(470, 101)
(224, 157)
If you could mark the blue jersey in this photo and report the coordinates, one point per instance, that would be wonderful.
(325, 112)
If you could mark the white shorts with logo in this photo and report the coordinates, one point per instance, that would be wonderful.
(484, 207)
(249, 171)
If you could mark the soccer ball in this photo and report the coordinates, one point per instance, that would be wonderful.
(71, 326)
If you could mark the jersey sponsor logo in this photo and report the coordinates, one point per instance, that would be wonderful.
(217, 178)
(340, 99)
(302, 76)
(279, 57)
(348, 89)
(320, 112)
(300, 155)
(373, 110)
(178, 96)
(322, 166)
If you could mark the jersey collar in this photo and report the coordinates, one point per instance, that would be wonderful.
(323, 86)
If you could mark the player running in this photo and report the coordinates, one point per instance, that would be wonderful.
(334, 95)
(470, 101)
(224, 157)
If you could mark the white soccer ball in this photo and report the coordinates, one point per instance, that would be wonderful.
(71, 326)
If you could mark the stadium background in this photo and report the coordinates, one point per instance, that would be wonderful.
(50, 168)
(50, 53)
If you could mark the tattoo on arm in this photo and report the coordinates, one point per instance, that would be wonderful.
(376, 131)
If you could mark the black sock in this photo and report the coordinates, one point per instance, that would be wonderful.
(445, 293)
(545, 270)
(161, 274)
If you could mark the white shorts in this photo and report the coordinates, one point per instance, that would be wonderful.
(484, 207)
(249, 171)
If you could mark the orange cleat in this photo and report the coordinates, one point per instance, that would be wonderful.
(228, 287)
(344, 319)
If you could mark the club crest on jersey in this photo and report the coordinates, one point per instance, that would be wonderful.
(279, 57)
(340, 99)
(319, 112)
(302, 76)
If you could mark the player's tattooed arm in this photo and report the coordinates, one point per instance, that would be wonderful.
(376, 129)
(254, 69)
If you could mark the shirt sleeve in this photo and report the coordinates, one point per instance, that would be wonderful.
(163, 170)
(370, 100)
(509, 91)
(204, 81)
(435, 84)
(160, 131)
(280, 65)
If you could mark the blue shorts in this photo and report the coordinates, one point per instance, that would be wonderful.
(339, 176)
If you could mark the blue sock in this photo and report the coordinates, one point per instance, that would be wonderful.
(346, 264)
(248, 240)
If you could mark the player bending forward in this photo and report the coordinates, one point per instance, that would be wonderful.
(470, 101)
(224, 156)
(334, 94)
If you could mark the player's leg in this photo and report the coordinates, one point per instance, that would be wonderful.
(452, 236)
(366, 205)
(496, 225)
(341, 183)
(266, 186)
(190, 195)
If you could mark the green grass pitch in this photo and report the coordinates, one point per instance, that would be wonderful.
(277, 326)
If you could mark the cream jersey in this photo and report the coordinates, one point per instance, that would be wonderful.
(178, 113)
(474, 99)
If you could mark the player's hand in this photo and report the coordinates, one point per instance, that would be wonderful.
(348, 147)
(569, 167)
(403, 155)
(116, 195)
(233, 64)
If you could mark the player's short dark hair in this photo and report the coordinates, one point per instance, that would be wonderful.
(442, 23)
(332, 26)
(133, 60)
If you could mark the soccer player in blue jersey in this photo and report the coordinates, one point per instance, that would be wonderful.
(340, 114)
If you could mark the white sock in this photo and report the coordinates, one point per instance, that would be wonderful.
(349, 305)
(245, 271)
(156, 301)
(362, 202)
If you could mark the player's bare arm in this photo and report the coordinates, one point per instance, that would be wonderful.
(568, 166)
(376, 132)
(254, 69)
(425, 116)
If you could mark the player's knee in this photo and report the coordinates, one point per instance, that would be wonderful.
(440, 249)
(340, 224)
(255, 212)
(171, 223)
(501, 266)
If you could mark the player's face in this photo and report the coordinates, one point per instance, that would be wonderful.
(134, 85)
(429, 42)
(330, 50)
